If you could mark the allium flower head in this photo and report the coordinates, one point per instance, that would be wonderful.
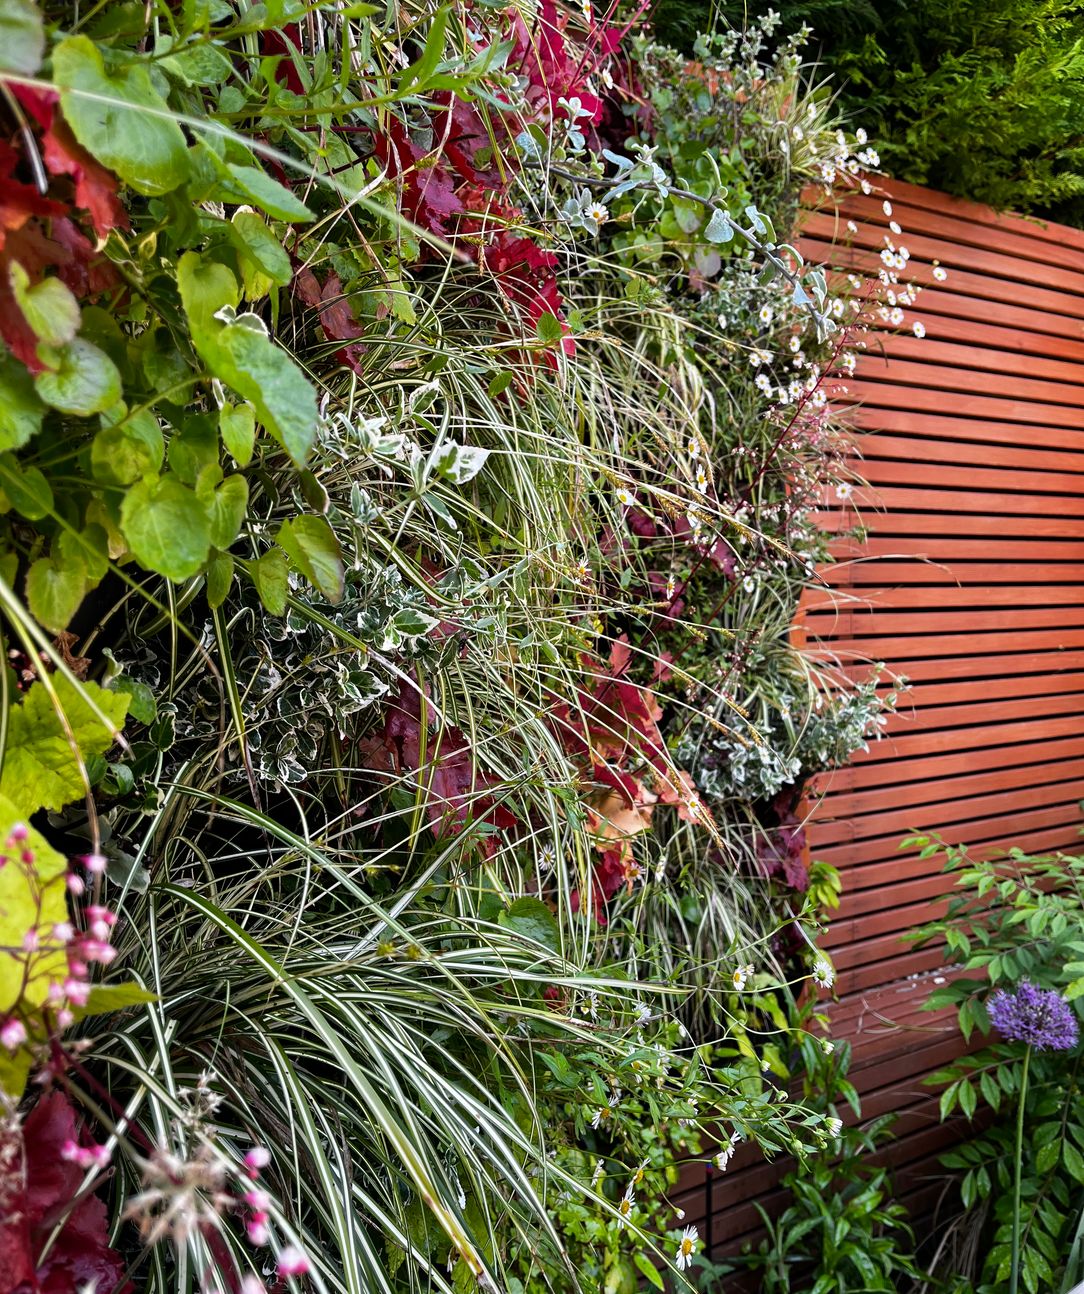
(1038, 1016)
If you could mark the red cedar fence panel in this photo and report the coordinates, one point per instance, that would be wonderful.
(970, 583)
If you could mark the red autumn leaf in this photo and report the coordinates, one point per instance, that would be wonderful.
(95, 187)
(40, 1194)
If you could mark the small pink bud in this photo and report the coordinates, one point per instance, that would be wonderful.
(257, 1200)
(64, 932)
(292, 1262)
(95, 864)
(31, 941)
(27, 856)
(64, 1018)
(70, 1150)
(12, 1033)
(257, 1231)
(257, 1158)
(75, 884)
(77, 991)
(19, 833)
(100, 1155)
(252, 1285)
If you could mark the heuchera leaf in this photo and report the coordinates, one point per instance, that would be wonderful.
(52, 1237)
(54, 590)
(29, 900)
(120, 118)
(40, 768)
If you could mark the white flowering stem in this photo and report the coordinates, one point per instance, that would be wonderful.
(1014, 1274)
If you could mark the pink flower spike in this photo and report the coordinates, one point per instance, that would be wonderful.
(95, 864)
(292, 1262)
(12, 1033)
(257, 1158)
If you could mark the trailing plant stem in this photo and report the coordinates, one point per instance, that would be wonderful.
(1014, 1276)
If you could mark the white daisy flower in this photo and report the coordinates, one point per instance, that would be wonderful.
(940, 273)
(767, 314)
(690, 1237)
(823, 974)
(844, 490)
(625, 497)
(886, 207)
(625, 1206)
(742, 975)
(918, 328)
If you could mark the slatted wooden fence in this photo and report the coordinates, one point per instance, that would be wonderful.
(970, 583)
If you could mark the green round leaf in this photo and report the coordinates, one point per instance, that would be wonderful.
(167, 527)
(21, 409)
(49, 307)
(54, 590)
(85, 380)
(120, 117)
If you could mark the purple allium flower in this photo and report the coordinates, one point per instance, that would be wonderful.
(1038, 1016)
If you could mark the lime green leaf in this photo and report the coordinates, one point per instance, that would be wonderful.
(310, 544)
(54, 590)
(269, 574)
(40, 768)
(88, 547)
(21, 409)
(532, 919)
(29, 493)
(237, 425)
(120, 117)
(128, 450)
(83, 381)
(106, 998)
(22, 37)
(268, 194)
(167, 527)
(219, 579)
(227, 510)
(49, 307)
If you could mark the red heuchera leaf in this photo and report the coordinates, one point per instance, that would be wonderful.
(39, 1190)
(455, 789)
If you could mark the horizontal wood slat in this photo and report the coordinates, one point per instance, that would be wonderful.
(959, 563)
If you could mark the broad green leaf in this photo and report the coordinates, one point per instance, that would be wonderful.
(167, 527)
(219, 579)
(268, 378)
(260, 249)
(548, 328)
(120, 117)
(22, 37)
(227, 510)
(21, 408)
(237, 426)
(40, 768)
(106, 998)
(83, 381)
(142, 705)
(205, 286)
(29, 493)
(247, 359)
(532, 919)
(89, 547)
(129, 450)
(647, 1268)
(49, 307)
(268, 194)
(54, 590)
(311, 546)
(269, 574)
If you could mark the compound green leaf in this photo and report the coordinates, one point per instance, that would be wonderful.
(41, 770)
(167, 527)
(120, 118)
